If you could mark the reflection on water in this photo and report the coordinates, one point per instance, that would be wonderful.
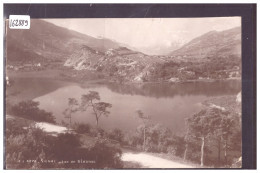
(27, 88)
(215, 88)
(168, 104)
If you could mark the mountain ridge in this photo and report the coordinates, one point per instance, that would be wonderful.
(47, 40)
(58, 47)
(213, 43)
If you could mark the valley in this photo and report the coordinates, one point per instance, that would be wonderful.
(108, 96)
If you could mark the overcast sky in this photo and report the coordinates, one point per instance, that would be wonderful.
(140, 32)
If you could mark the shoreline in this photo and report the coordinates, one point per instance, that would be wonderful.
(56, 74)
(181, 82)
(27, 83)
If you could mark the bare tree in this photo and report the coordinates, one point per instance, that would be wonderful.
(72, 108)
(200, 127)
(187, 140)
(145, 120)
(227, 123)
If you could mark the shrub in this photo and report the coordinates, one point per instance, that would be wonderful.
(106, 156)
(65, 147)
(117, 135)
(171, 150)
(95, 132)
(34, 144)
(82, 128)
(30, 144)
(30, 110)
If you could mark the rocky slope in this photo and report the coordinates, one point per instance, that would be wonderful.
(221, 51)
(57, 46)
(122, 63)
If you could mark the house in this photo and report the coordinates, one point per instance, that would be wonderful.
(173, 79)
(7, 81)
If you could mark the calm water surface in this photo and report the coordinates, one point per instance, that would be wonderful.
(168, 104)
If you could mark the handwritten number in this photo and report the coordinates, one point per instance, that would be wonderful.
(17, 22)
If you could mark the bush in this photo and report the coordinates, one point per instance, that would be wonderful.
(82, 128)
(106, 156)
(171, 150)
(13, 128)
(35, 145)
(95, 132)
(132, 139)
(30, 144)
(116, 134)
(30, 110)
(101, 154)
(158, 138)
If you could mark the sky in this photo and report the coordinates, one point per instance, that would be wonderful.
(145, 32)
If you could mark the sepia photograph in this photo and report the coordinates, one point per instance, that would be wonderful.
(123, 93)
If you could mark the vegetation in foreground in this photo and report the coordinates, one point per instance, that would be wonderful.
(210, 137)
(30, 110)
(32, 148)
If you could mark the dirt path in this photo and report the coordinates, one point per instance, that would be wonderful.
(149, 161)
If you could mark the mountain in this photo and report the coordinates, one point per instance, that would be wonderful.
(121, 63)
(58, 46)
(83, 57)
(213, 43)
(160, 49)
(48, 41)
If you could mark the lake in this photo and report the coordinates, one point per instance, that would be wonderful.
(168, 104)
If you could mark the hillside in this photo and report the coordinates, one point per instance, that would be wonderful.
(213, 43)
(214, 55)
(48, 41)
(56, 46)
(121, 63)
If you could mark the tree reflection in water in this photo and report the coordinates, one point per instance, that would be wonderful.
(159, 90)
